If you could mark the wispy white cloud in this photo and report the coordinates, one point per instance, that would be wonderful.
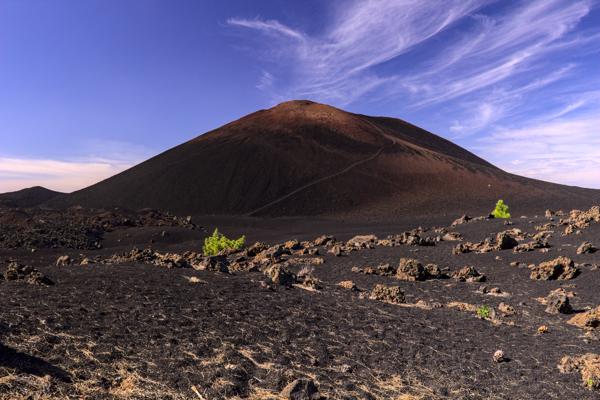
(64, 176)
(269, 26)
(266, 81)
(563, 150)
(364, 35)
(98, 160)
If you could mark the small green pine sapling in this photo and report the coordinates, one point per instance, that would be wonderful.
(217, 242)
(590, 383)
(483, 312)
(501, 210)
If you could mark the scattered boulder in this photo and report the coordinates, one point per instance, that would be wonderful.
(468, 274)
(149, 256)
(348, 285)
(506, 309)
(504, 241)
(382, 270)
(385, 270)
(280, 275)
(390, 294)
(273, 254)
(586, 248)
(410, 270)
(543, 234)
(301, 389)
(20, 272)
(433, 271)
(194, 279)
(462, 248)
(255, 249)
(336, 250)
(492, 291)
(292, 245)
(561, 268)
(308, 279)
(63, 261)
(212, 263)
(462, 220)
(324, 240)
(362, 242)
(557, 302)
(411, 238)
(306, 261)
(499, 356)
(537, 243)
(452, 237)
(588, 365)
(588, 320)
(579, 220)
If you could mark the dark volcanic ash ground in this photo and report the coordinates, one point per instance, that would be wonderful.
(396, 316)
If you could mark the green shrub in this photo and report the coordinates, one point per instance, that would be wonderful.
(483, 312)
(217, 242)
(501, 210)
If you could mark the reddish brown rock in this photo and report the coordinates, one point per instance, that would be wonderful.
(561, 268)
(390, 294)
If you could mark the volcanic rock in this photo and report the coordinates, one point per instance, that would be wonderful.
(462, 220)
(499, 356)
(561, 268)
(587, 320)
(307, 278)
(63, 261)
(468, 274)
(586, 248)
(452, 237)
(255, 249)
(557, 302)
(348, 285)
(410, 270)
(336, 250)
(537, 243)
(588, 365)
(324, 240)
(390, 294)
(280, 275)
(504, 241)
(212, 263)
(362, 242)
(506, 309)
(30, 275)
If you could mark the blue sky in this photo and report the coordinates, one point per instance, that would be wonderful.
(89, 88)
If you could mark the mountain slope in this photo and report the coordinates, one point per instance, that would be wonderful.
(29, 197)
(305, 158)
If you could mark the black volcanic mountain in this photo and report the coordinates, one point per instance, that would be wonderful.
(304, 158)
(29, 197)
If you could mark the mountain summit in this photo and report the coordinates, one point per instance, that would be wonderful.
(305, 158)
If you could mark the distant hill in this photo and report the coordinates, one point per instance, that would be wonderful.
(30, 197)
(304, 158)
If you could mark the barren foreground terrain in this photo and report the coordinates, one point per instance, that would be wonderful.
(301, 319)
